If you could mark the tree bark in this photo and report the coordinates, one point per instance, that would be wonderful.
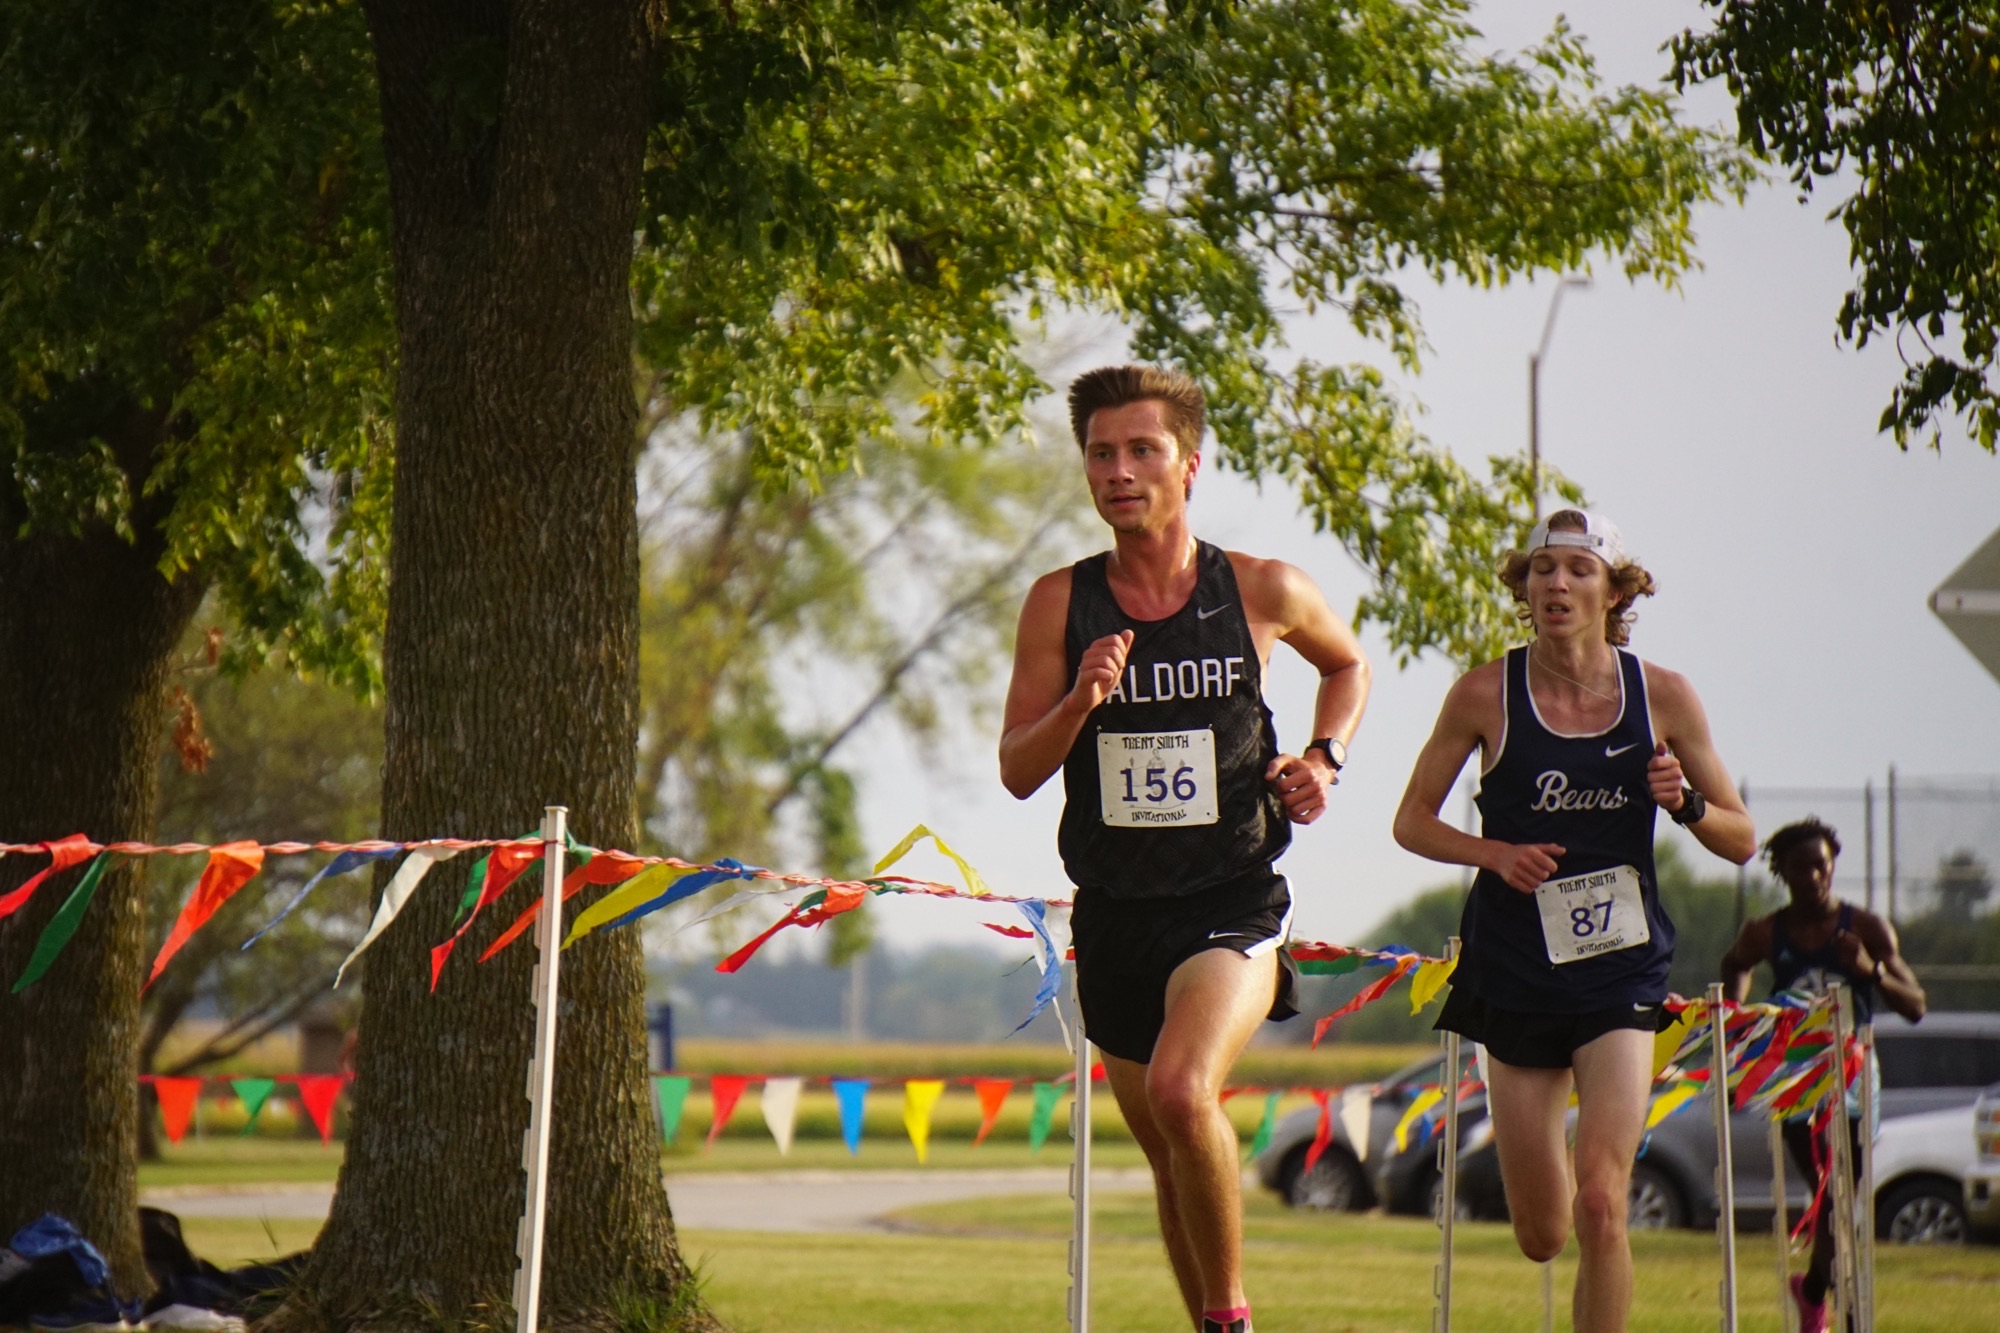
(87, 632)
(514, 137)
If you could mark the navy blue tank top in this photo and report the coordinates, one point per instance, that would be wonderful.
(1589, 795)
(1164, 787)
(1818, 970)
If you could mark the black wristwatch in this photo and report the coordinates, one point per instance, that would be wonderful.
(1693, 806)
(1336, 753)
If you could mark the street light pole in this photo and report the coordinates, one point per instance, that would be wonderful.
(1535, 388)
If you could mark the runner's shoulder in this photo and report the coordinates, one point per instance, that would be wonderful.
(1478, 697)
(1271, 589)
(1048, 595)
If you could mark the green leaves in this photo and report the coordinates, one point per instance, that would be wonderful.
(1903, 98)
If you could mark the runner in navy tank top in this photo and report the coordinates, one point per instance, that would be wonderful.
(1564, 946)
(1139, 673)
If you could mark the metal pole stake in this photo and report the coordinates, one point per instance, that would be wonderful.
(541, 1074)
(1448, 1170)
(1079, 1177)
(1725, 1163)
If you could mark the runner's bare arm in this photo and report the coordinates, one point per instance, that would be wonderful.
(1470, 717)
(1046, 710)
(1753, 945)
(1872, 941)
(1685, 757)
(1282, 601)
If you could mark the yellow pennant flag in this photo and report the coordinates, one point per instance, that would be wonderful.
(920, 1097)
(1429, 980)
(1667, 1042)
(1671, 1101)
(973, 883)
(1425, 1100)
(647, 884)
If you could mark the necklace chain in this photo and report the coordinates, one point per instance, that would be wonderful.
(1612, 698)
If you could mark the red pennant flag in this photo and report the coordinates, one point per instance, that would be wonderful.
(727, 1090)
(603, 868)
(177, 1098)
(1373, 991)
(1323, 1134)
(839, 898)
(1011, 932)
(63, 853)
(992, 1096)
(503, 867)
(318, 1092)
(1767, 1064)
(230, 867)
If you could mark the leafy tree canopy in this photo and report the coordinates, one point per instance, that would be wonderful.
(1901, 96)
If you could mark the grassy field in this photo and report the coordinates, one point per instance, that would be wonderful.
(998, 1264)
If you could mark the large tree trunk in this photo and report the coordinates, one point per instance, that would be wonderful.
(514, 137)
(87, 632)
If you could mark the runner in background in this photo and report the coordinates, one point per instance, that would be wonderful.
(1565, 947)
(1139, 673)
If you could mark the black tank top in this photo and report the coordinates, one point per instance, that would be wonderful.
(1589, 795)
(1165, 785)
(1818, 970)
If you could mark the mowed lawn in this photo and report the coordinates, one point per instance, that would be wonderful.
(998, 1264)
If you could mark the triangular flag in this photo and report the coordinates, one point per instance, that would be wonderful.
(1323, 1131)
(1044, 1114)
(62, 925)
(1431, 975)
(1419, 1104)
(920, 1097)
(253, 1092)
(649, 882)
(603, 868)
(992, 1096)
(852, 1094)
(671, 1091)
(1373, 991)
(230, 867)
(1268, 1124)
(1671, 1101)
(1668, 1039)
(350, 860)
(509, 860)
(318, 1092)
(63, 853)
(973, 883)
(1356, 1106)
(177, 1098)
(408, 875)
(727, 870)
(781, 1109)
(726, 1090)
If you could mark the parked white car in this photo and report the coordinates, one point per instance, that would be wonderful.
(1922, 1163)
(1982, 1183)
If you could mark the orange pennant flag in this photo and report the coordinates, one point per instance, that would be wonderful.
(503, 867)
(727, 1090)
(230, 867)
(318, 1092)
(992, 1096)
(603, 868)
(177, 1098)
(63, 853)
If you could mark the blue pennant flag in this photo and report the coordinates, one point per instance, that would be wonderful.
(1037, 913)
(340, 865)
(853, 1095)
(687, 886)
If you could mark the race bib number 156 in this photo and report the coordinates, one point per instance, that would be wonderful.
(1586, 915)
(1157, 779)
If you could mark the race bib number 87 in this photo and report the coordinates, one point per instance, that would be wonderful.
(1586, 915)
(1157, 779)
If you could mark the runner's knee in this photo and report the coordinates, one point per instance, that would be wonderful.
(1181, 1103)
(1541, 1238)
(1601, 1209)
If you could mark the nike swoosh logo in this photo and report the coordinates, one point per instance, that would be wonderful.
(1610, 753)
(1224, 934)
(1200, 614)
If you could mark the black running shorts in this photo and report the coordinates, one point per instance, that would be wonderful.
(1127, 948)
(1539, 1041)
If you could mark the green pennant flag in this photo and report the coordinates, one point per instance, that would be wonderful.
(63, 924)
(672, 1092)
(1267, 1124)
(1330, 967)
(254, 1092)
(474, 882)
(1046, 1097)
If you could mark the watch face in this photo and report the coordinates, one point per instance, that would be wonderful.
(1335, 751)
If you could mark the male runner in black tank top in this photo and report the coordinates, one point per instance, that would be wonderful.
(1565, 946)
(1812, 943)
(1139, 673)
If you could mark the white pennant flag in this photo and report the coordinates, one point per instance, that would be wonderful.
(1355, 1107)
(781, 1109)
(415, 866)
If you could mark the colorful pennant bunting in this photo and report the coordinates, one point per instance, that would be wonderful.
(973, 883)
(63, 853)
(253, 1093)
(852, 1094)
(410, 874)
(992, 1093)
(670, 1091)
(230, 867)
(1043, 1115)
(780, 1103)
(177, 1098)
(726, 1090)
(62, 926)
(920, 1097)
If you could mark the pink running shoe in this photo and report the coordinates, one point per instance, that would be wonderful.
(1812, 1318)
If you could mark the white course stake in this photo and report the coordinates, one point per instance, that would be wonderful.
(1842, 1158)
(1788, 1313)
(1725, 1164)
(1079, 1177)
(1864, 1212)
(1447, 1171)
(541, 1074)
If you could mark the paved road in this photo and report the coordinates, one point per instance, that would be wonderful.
(736, 1201)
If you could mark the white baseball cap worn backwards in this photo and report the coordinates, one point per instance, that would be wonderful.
(1600, 537)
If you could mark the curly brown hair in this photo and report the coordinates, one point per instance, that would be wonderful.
(1629, 582)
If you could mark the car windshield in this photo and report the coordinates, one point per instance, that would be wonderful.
(1925, 1060)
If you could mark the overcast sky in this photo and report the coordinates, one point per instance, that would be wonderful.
(1730, 437)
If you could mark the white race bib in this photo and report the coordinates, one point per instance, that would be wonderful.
(1586, 915)
(1156, 779)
